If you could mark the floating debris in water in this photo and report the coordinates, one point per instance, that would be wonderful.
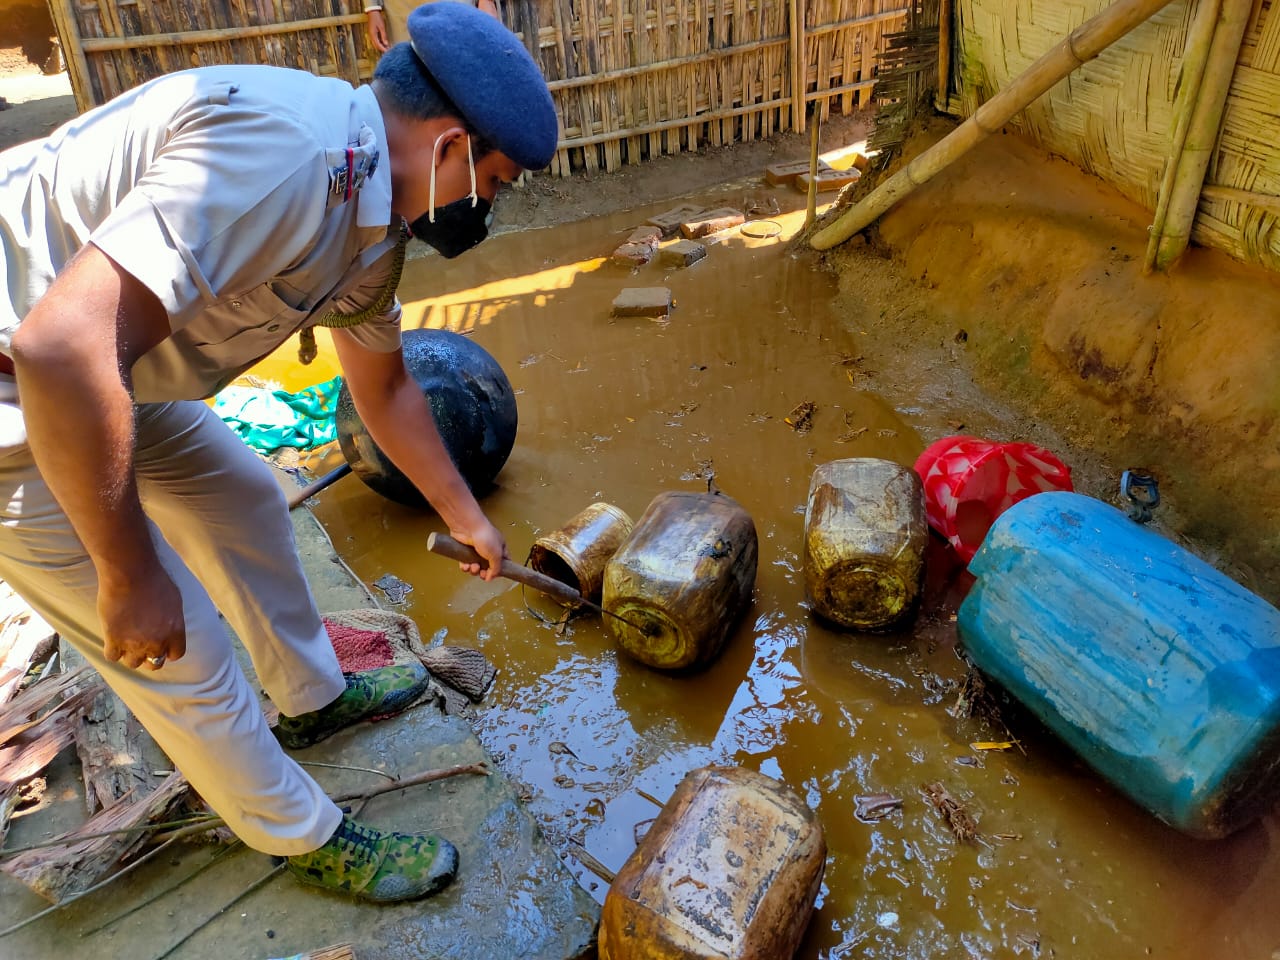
(974, 701)
(875, 806)
(395, 588)
(801, 418)
(953, 813)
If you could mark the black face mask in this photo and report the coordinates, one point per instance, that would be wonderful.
(455, 228)
(458, 226)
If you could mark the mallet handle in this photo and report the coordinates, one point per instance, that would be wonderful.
(446, 546)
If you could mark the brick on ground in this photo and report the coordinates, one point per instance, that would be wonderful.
(682, 253)
(780, 174)
(652, 302)
(829, 180)
(639, 248)
(711, 221)
(669, 221)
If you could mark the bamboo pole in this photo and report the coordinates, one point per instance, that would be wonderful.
(829, 92)
(1263, 201)
(1202, 132)
(68, 28)
(811, 205)
(1083, 44)
(671, 124)
(1199, 40)
(944, 54)
(102, 44)
(797, 68)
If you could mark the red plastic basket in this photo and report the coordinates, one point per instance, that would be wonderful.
(968, 482)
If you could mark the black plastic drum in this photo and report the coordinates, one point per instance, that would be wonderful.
(474, 407)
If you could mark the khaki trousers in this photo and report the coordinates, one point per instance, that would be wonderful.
(222, 530)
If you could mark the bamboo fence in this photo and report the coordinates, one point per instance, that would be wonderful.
(632, 79)
(1118, 115)
(112, 45)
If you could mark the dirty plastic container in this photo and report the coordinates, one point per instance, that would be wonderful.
(730, 870)
(864, 539)
(684, 577)
(968, 482)
(1160, 671)
(577, 553)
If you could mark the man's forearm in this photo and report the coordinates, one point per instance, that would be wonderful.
(81, 433)
(401, 424)
(79, 413)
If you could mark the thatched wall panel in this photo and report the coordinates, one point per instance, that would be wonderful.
(1115, 117)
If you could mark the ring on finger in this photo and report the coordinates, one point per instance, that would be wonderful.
(156, 661)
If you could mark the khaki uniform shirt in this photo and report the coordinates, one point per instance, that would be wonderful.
(250, 200)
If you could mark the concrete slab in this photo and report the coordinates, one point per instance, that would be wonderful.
(682, 253)
(828, 179)
(781, 174)
(711, 221)
(669, 221)
(651, 302)
(513, 897)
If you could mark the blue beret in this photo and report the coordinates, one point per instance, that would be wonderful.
(484, 69)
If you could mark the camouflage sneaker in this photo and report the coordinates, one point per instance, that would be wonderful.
(377, 866)
(370, 693)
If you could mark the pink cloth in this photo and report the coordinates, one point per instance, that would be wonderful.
(358, 649)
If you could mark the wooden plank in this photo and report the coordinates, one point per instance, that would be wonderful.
(103, 44)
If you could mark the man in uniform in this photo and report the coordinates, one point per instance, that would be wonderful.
(155, 248)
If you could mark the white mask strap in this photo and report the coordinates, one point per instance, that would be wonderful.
(472, 165)
(431, 191)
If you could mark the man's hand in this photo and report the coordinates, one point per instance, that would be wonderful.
(378, 30)
(142, 621)
(72, 356)
(488, 542)
(398, 418)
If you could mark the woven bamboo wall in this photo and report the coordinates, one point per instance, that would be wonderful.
(1114, 117)
(632, 79)
(635, 79)
(112, 45)
(1248, 154)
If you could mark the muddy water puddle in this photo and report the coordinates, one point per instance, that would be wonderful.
(619, 410)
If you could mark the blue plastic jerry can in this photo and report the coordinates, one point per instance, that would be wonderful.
(1160, 671)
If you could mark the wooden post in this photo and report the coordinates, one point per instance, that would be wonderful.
(1083, 44)
(1202, 132)
(811, 208)
(64, 21)
(797, 67)
(1263, 201)
(1199, 38)
(944, 55)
